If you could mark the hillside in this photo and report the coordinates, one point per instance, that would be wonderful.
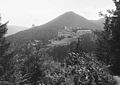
(99, 22)
(50, 29)
(74, 20)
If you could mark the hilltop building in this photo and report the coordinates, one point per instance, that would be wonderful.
(73, 31)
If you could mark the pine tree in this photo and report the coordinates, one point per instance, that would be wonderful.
(115, 39)
(3, 48)
(109, 40)
(103, 48)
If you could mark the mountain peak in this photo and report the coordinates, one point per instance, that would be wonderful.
(50, 29)
(70, 12)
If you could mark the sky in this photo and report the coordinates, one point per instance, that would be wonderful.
(37, 12)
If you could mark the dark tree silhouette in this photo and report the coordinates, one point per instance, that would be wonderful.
(115, 39)
(109, 40)
(4, 44)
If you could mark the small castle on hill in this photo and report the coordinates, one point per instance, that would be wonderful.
(70, 31)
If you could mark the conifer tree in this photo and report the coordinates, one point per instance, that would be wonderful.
(115, 39)
(103, 48)
(3, 48)
(109, 40)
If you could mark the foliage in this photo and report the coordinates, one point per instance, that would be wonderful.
(87, 42)
(59, 52)
(5, 57)
(79, 70)
(115, 40)
(28, 62)
(4, 54)
(103, 39)
(109, 47)
(86, 70)
(33, 66)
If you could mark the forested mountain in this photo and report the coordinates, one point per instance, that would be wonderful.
(50, 29)
(68, 50)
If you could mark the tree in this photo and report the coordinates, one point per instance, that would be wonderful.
(5, 56)
(28, 64)
(4, 44)
(115, 39)
(103, 48)
(109, 41)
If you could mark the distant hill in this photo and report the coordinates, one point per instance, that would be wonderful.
(74, 20)
(12, 29)
(99, 22)
(50, 29)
